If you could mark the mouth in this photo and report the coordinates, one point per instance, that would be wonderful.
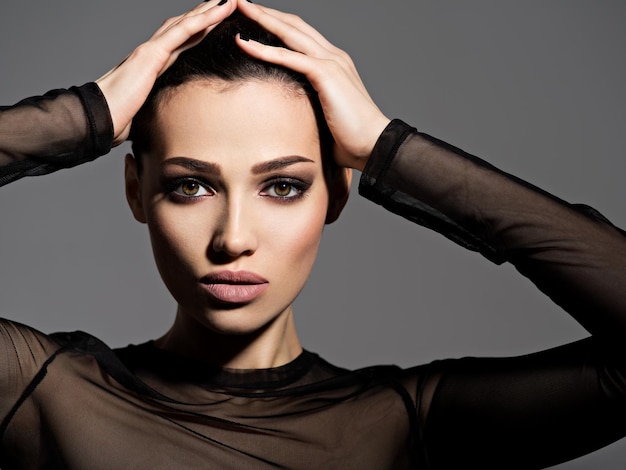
(234, 287)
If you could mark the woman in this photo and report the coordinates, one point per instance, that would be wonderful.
(234, 175)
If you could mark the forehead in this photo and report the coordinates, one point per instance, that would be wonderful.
(249, 121)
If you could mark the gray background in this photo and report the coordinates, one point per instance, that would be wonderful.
(534, 87)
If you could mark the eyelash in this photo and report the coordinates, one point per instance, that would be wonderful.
(172, 189)
(300, 187)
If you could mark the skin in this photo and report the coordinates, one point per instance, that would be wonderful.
(261, 334)
(352, 116)
(239, 218)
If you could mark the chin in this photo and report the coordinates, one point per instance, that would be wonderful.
(238, 321)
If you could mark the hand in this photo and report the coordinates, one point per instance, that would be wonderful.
(353, 118)
(127, 86)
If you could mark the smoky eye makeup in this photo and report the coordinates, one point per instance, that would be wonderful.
(285, 189)
(186, 188)
(287, 184)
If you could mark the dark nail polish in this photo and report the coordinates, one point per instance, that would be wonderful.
(221, 2)
(249, 1)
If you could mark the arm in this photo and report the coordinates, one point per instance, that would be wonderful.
(535, 410)
(65, 128)
(525, 412)
(570, 252)
(61, 129)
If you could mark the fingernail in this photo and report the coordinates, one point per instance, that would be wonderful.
(243, 37)
(221, 2)
(249, 1)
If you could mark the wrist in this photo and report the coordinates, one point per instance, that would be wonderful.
(375, 130)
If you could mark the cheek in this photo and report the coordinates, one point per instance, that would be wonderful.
(178, 237)
(286, 237)
(295, 239)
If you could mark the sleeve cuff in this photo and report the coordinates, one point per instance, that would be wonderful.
(385, 149)
(380, 187)
(98, 119)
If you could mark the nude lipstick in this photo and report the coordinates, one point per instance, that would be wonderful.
(234, 287)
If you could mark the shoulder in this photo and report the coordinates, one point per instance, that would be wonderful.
(23, 352)
(24, 345)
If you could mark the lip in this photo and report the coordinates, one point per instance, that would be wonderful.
(234, 287)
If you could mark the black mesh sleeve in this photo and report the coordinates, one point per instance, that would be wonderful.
(60, 129)
(535, 410)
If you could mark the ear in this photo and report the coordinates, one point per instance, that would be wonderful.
(338, 192)
(133, 188)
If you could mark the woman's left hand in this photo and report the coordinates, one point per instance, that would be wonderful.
(353, 118)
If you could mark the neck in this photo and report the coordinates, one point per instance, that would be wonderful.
(272, 345)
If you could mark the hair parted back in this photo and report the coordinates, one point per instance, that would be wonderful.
(217, 57)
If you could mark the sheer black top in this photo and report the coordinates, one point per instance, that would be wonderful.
(69, 401)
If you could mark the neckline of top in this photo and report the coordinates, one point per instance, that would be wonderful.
(177, 368)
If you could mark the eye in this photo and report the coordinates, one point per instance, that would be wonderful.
(186, 189)
(191, 188)
(284, 189)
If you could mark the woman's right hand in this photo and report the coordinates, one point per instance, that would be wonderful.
(127, 86)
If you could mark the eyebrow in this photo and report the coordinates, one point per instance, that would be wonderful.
(263, 167)
(194, 165)
(278, 163)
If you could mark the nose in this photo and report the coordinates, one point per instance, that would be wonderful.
(234, 234)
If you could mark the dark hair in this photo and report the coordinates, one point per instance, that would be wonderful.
(217, 56)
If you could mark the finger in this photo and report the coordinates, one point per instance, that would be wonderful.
(311, 67)
(199, 9)
(315, 67)
(258, 13)
(294, 37)
(318, 71)
(174, 19)
(298, 35)
(190, 29)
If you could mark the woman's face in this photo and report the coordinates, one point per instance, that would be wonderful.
(235, 200)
